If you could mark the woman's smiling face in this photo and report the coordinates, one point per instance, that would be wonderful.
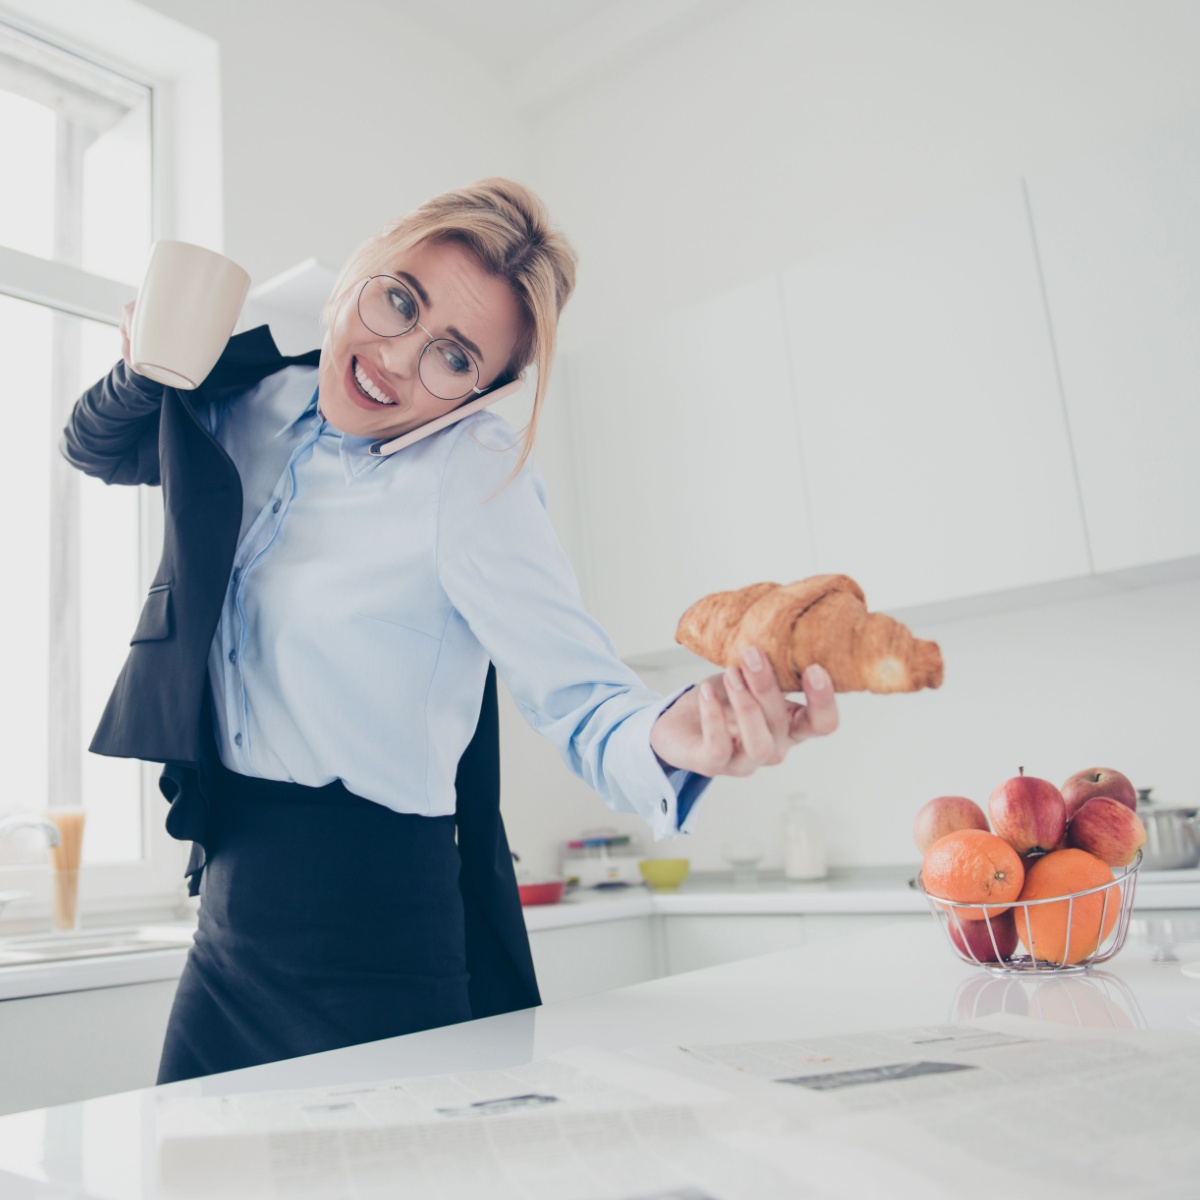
(458, 300)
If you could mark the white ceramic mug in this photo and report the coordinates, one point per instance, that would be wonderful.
(186, 309)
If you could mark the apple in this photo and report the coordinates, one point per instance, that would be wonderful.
(1097, 781)
(973, 939)
(1108, 829)
(943, 815)
(1028, 813)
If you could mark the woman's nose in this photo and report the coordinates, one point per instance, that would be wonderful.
(400, 355)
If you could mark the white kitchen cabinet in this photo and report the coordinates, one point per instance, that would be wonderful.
(695, 942)
(74, 1045)
(581, 960)
(822, 927)
(936, 449)
(688, 450)
(1118, 233)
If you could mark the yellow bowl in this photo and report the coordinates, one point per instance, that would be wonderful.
(664, 873)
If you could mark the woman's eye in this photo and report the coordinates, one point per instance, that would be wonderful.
(404, 305)
(454, 358)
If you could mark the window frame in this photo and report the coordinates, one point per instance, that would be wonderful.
(181, 67)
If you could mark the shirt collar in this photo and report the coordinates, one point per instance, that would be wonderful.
(354, 451)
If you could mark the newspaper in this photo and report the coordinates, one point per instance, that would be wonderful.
(581, 1080)
(583, 1125)
(999, 1107)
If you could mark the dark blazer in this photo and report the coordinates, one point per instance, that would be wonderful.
(130, 430)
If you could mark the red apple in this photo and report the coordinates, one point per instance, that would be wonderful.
(1097, 781)
(974, 939)
(1028, 813)
(1108, 829)
(943, 815)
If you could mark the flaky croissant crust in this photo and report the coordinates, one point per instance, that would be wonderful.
(822, 619)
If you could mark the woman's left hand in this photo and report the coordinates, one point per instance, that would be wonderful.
(740, 720)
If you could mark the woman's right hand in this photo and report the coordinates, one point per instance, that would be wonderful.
(126, 326)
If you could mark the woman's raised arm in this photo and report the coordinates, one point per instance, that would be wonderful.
(112, 432)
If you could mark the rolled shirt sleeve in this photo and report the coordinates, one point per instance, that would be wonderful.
(504, 570)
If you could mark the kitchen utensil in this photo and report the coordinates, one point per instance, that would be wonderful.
(1172, 834)
(1118, 895)
(186, 309)
(550, 892)
(664, 874)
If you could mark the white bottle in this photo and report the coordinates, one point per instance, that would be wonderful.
(803, 840)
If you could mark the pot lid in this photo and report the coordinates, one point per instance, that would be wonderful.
(1146, 801)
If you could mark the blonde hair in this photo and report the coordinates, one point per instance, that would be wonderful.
(506, 227)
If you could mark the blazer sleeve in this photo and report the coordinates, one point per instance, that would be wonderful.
(112, 432)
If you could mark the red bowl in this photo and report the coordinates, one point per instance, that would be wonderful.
(542, 893)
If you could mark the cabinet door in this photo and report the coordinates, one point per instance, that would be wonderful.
(1118, 233)
(696, 942)
(688, 445)
(935, 443)
(582, 960)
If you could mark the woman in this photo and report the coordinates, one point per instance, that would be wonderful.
(312, 663)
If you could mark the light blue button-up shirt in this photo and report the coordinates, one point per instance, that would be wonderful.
(368, 595)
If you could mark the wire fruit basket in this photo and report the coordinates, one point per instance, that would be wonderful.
(1096, 926)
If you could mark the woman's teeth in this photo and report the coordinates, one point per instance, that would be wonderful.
(368, 387)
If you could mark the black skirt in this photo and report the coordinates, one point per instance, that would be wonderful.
(326, 920)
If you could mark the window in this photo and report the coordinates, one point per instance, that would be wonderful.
(77, 138)
(92, 141)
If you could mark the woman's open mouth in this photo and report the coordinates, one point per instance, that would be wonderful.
(364, 390)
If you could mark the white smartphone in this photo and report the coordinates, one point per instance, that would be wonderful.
(438, 423)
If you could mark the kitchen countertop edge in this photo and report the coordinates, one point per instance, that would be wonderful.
(882, 892)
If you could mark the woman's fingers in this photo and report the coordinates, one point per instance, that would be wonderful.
(747, 722)
(718, 742)
(760, 742)
(820, 715)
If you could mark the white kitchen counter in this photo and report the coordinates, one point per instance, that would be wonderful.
(881, 890)
(108, 1145)
(845, 892)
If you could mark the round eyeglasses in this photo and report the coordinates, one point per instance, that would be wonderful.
(388, 308)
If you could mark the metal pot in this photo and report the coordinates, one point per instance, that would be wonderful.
(1172, 835)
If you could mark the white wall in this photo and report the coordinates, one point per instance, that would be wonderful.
(338, 116)
(755, 134)
(1109, 681)
(774, 129)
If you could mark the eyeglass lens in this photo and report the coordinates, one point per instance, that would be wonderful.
(389, 309)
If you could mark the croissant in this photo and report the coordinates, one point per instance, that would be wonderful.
(823, 620)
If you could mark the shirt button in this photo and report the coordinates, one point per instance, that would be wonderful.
(237, 574)
(237, 739)
(276, 506)
(665, 806)
(233, 656)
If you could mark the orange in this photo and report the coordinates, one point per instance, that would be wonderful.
(973, 866)
(1069, 930)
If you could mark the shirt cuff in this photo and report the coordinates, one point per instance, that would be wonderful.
(682, 789)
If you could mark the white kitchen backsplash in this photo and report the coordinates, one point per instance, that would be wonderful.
(1104, 681)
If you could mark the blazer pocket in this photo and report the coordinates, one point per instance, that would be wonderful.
(155, 622)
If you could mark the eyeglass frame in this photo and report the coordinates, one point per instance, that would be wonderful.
(417, 325)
